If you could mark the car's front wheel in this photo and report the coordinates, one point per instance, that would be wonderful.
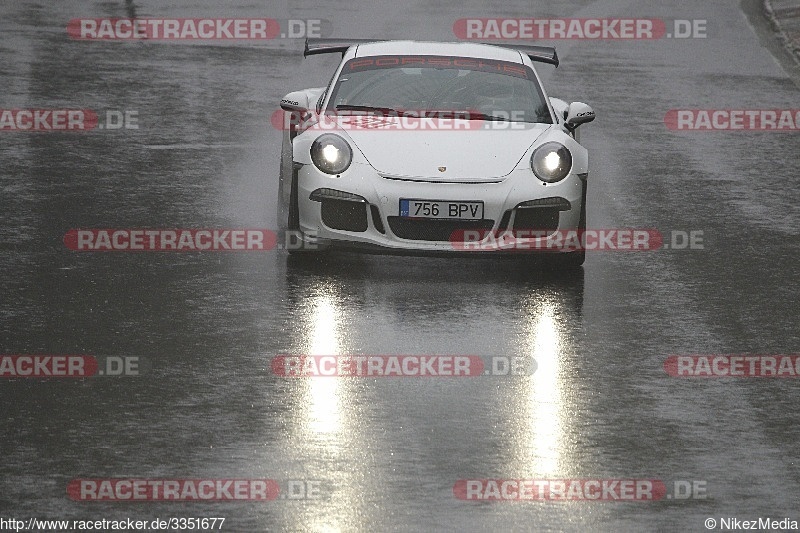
(294, 241)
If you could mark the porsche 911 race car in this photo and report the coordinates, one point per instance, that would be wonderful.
(432, 148)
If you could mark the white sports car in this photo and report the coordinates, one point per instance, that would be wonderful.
(434, 148)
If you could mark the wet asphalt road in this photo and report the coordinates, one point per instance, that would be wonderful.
(387, 451)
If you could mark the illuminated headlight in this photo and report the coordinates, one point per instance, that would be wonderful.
(551, 162)
(331, 154)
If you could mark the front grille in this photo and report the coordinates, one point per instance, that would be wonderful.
(540, 218)
(344, 215)
(433, 230)
(540, 214)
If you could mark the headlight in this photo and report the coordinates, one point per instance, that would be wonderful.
(331, 154)
(551, 162)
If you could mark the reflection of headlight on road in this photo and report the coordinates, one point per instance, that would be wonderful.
(551, 162)
(546, 390)
(323, 327)
(323, 402)
(331, 153)
(547, 338)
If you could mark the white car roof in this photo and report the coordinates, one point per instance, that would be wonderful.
(483, 51)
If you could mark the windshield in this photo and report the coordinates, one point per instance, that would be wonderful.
(429, 85)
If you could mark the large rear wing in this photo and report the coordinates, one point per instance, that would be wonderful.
(540, 54)
(333, 46)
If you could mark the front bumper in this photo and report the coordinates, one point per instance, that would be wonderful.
(360, 210)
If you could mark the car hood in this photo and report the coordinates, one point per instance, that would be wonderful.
(483, 153)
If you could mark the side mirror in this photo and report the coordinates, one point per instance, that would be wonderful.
(577, 114)
(295, 101)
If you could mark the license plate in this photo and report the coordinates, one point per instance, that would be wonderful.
(441, 209)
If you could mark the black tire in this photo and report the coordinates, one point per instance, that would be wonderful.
(293, 223)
